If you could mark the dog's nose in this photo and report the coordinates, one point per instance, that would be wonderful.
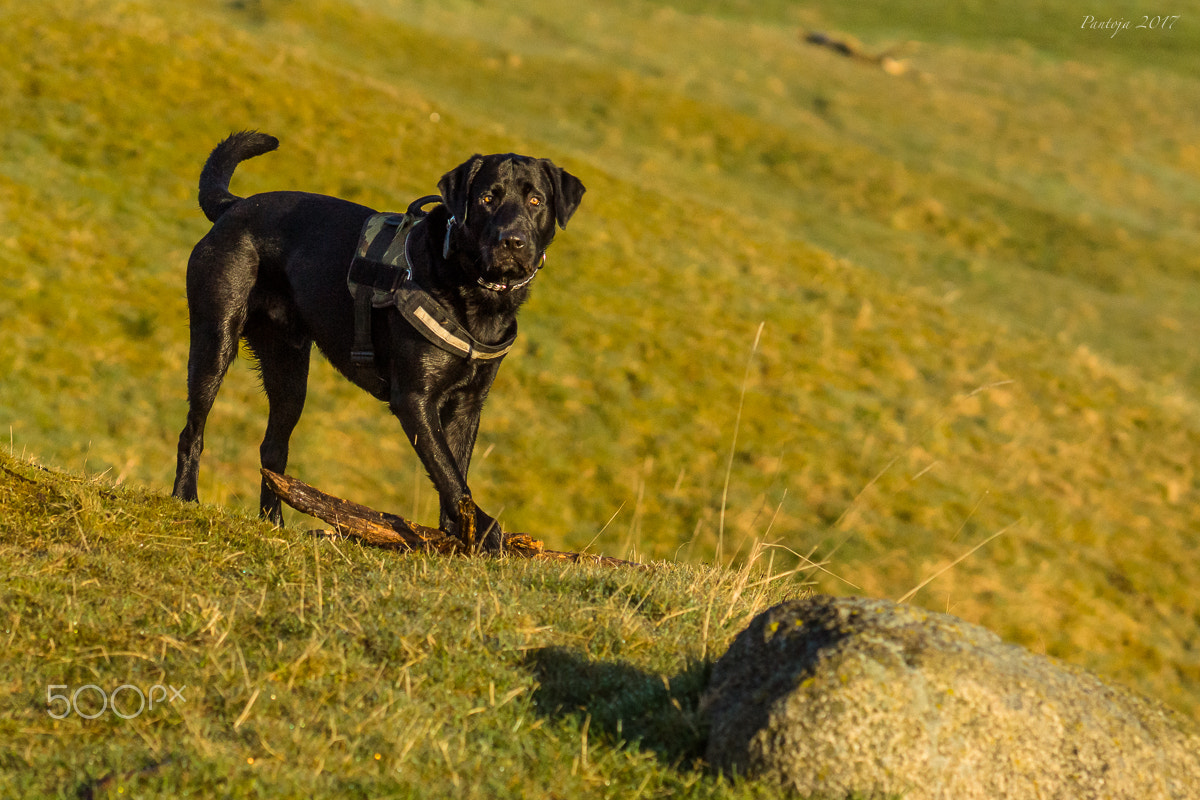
(514, 240)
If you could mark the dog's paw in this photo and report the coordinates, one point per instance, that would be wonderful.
(490, 535)
(475, 529)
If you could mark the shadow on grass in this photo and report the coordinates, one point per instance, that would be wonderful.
(625, 706)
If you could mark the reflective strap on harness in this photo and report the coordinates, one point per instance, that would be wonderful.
(430, 319)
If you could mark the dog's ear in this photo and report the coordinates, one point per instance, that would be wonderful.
(568, 192)
(455, 187)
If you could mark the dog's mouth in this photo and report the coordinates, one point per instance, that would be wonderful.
(504, 271)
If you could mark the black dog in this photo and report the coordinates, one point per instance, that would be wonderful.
(273, 271)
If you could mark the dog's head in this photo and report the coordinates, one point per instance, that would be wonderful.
(505, 208)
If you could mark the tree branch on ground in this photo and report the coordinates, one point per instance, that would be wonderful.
(392, 532)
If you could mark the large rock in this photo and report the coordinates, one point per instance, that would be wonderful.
(834, 697)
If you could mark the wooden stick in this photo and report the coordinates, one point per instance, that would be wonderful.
(388, 531)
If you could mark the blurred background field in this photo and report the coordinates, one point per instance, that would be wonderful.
(874, 317)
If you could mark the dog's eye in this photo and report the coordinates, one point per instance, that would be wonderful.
(535, 201)
(486, 199)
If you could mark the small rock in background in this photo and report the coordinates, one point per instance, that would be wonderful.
(840, 696)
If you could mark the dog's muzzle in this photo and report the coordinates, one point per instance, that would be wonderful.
(504, 286)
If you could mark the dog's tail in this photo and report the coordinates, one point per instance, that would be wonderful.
(215, 197)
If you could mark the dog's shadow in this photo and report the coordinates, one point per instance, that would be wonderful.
(624, 706)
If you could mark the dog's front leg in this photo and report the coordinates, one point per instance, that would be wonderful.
(418, 415)
(460, 414)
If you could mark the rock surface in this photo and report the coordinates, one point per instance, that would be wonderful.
(849, 696)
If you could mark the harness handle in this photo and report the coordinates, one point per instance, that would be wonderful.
(415, 208)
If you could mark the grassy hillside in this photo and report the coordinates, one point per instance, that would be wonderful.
(290, 667)
(876, 319)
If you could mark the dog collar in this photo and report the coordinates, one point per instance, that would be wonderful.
(495, 287)
(508, 287)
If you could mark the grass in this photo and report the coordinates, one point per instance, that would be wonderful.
(973, 286)
(308, 667)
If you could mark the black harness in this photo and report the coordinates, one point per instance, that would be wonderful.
(381, 276)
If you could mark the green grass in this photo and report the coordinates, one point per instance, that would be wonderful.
(976, 281)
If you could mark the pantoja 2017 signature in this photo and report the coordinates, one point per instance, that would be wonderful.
(1158, 22)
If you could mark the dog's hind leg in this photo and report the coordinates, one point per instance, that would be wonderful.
(283, 364)
(213, 348)
(219, 282)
